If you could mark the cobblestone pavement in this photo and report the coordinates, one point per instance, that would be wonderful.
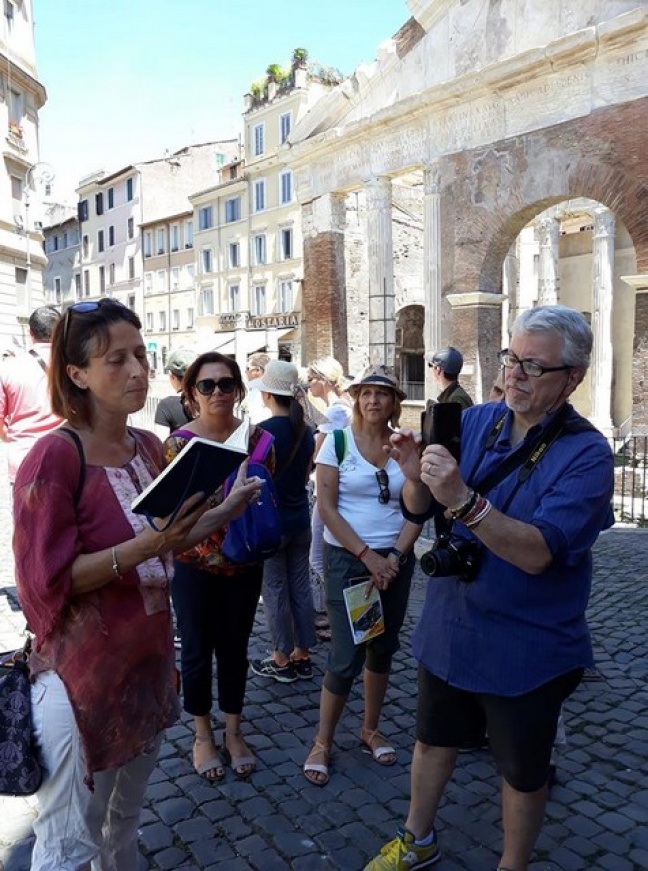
(597, 816)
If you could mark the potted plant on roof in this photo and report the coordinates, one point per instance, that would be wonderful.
(299, 58)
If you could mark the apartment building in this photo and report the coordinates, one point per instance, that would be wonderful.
(62, 274)
(114, 207)
(169, 302)
(247, 230)
(22, 184)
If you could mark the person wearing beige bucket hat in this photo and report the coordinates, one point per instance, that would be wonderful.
(286, 591)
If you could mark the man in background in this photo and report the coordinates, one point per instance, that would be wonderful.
(446, 365)
(25, 410)
(171, 413)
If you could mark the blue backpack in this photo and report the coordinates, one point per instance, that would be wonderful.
(256, 534)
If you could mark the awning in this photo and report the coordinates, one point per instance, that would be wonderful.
(249, 341)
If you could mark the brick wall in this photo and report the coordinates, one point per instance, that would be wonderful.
(323, 298)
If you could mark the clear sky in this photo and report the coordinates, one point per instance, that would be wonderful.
(127, 79)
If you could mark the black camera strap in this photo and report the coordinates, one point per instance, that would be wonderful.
(527, 457)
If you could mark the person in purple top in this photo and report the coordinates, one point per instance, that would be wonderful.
(503, 640)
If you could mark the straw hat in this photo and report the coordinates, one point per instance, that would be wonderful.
(280, 378)
(377, 375)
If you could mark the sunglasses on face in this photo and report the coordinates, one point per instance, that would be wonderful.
(84, 308)
(206, 386)
(383, 483)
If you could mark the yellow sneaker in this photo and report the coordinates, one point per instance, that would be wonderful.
(402, 854)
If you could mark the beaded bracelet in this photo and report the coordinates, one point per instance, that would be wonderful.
(466, 506)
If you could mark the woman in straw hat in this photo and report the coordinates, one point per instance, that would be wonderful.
(365, 537)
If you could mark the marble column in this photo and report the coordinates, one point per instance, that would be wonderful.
(510, 309)
(432, 264)
(602, 297)
(432, 254)
(548, 233)
(382, 303)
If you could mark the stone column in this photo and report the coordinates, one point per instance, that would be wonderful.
(323, 287)
(602, 292)
(548, 234)
(510, 288)
(432, 254)
(382, 304)
(476, 321)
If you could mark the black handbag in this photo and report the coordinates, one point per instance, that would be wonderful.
(20, 771)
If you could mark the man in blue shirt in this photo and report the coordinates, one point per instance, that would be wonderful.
(504, 650)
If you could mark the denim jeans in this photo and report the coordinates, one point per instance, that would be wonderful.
(287, 597)
(77, 829)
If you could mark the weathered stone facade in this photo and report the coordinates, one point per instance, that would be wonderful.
(495, 112)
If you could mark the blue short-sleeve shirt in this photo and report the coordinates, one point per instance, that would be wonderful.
(508, 632)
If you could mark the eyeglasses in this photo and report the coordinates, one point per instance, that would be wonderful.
(383, 482)
(529, 367)
(84, 308)
(206, 386)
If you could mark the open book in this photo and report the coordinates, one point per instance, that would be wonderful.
(365, 613)
(200, 467)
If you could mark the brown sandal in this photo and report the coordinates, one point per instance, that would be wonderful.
(318, 763)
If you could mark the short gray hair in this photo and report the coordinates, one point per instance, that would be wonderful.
(570, 324)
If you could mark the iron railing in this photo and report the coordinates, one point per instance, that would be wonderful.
(630, 500)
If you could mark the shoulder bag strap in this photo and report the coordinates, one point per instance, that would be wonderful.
(262, 447)
(339, 436)
(82, 463)
(40, 362)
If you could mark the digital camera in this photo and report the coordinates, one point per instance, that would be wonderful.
(452, 556)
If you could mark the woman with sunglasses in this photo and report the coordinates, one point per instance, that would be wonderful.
(93, 580)
(215, 600)
(365, 538)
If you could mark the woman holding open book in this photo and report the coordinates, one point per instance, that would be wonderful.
(215, 600)
(93, 579)
(367, 541)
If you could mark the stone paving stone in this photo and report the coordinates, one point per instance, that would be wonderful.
(174, 809)
(156, 837)
(211, 851)
(170, 859)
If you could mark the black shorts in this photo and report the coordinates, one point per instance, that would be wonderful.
(521, 729)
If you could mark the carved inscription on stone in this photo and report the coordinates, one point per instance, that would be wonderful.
(622, 76)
